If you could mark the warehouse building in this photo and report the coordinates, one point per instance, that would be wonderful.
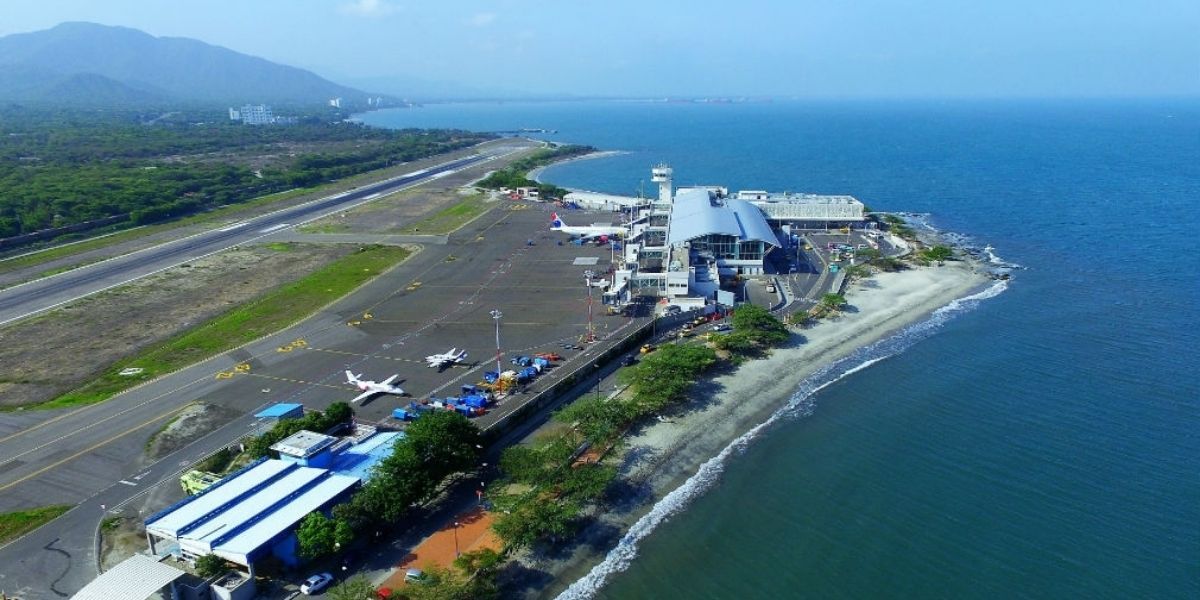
(253, 513)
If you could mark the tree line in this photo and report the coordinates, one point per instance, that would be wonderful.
(62, 169)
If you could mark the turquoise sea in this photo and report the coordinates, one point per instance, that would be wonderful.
(1041, 443)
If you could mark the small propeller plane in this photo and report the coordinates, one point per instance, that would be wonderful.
(445, 359)
(585, 232)
(371, 388)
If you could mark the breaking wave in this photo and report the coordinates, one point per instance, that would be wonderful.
(800, 404)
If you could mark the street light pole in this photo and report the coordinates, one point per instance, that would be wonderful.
(496, 314)
(456, 539)
(588, 275)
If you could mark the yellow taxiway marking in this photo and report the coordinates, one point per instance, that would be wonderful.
(300, 381)
(344, 353)
(90, 449)
(298, 343)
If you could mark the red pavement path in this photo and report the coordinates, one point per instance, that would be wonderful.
(474, 532)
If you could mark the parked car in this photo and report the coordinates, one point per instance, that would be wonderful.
(629, 360)
(315, 584)
(722, 327)
(673, 309)
(414, 575)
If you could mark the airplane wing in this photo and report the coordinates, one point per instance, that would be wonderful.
(362, 396)
(389, 380)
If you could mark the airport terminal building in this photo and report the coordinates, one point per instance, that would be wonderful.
(684, 243)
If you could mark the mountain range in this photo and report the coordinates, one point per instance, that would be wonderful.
(97, 65)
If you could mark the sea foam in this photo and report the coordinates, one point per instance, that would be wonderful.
(800, 404)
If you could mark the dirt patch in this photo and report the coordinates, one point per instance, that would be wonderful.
(90, 334)
(120, 538)
(192, 423)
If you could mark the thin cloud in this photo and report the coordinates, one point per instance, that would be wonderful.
(482, 19)
(369, 8)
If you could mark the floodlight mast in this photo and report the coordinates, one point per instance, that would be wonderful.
(496, 314)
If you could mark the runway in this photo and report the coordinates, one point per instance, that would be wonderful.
(40, 295)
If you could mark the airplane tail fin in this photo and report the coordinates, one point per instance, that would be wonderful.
(350, 378)
(555, 221)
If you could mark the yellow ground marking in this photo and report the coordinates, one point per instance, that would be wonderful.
(344, 353)
(300, 381)
(368, 316)
(242, 368)
(90, 449)
(353, 323)
(224, 375)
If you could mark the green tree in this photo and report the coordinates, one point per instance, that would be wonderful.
(937, 253)
(355, 588)
(833, 301)
(482, 562)
(210, 565)
(534, 517)
(321, 536)
(598, 419)
(759, 324)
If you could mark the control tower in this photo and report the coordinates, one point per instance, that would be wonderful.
(662, 176)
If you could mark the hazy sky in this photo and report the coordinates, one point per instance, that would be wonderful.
(863, 48)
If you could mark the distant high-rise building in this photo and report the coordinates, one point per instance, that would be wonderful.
(335, 102)
(234, 115)
(255, 114)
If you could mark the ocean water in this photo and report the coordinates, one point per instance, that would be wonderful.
(1039, 441)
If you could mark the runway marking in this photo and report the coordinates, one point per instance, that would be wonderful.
(89, 449)
(33, 428)
(127, 483)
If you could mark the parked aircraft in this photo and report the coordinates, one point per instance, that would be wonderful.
(585, 232)
(446, 359)
(370, 388)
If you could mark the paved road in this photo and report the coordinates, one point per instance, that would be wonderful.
(43, 294)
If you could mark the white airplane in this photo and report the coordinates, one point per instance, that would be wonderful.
(370, 388)
(585, 232)
(445, 359)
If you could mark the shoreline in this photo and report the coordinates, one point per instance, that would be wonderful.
(670, 462)
(536, 174)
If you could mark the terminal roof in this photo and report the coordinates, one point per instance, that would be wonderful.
(696, 214)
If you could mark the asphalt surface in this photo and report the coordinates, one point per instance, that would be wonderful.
(40, 295)
(88, 456)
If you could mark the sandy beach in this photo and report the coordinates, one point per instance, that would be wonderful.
(536, 174)
(665, 463)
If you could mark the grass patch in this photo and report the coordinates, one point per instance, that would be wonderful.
(281, 246)
(269, 313)
(17, 523)
(450, 218)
